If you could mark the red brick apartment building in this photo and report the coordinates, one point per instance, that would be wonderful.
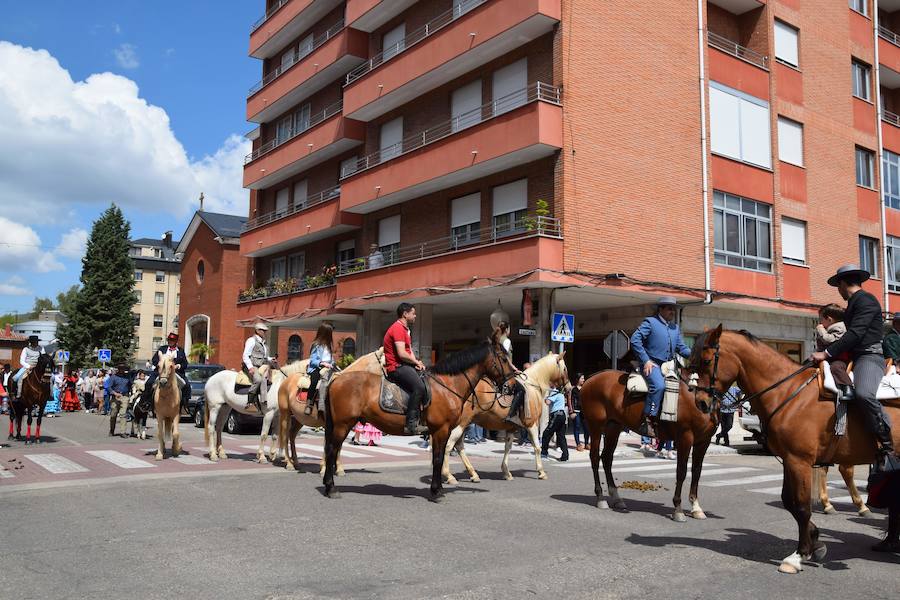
(592, 154)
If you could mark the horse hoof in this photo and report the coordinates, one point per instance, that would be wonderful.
(290, 466)
(261, 460)
(791, 565)
(508, 476)
(333, 494)
(437, 498)
(679, 517)
(452, 480)
(829, 510)
(698, 514)
(477, 479)
(213, 458)
(222, 455)
(620, 505)
(159, 456)
(542, 475)
(340, 473)
(819, 552)
(602, 504)
(865, 514)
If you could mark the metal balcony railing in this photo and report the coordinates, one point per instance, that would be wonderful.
(733, 48)
(298, 55)
(533, 93)
(313, 200)
(296, 129)
(269, 13)
(430, 28)
(486, 236)
(887, 34)
(889, 117)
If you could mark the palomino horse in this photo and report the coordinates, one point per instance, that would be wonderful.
(221, 400)
(355, 396)
(486, 410)
(167, 405)
(820, 479)
(797, 424)
(35, 392)
(608, 409)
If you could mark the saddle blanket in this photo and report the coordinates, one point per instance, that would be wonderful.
(888, 389)
(394, 399)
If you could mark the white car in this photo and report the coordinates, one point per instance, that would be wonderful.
(749, 421)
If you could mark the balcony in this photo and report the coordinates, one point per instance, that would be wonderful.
(329, 57)
(317, 218)
(450, 45)
(327, 135)
(270, 302)
(285, 21)
(725, 45)
(535, 244)
(369, 15)
(888, 48)
(513, 130)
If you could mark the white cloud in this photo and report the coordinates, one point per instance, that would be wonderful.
(73, 243)
(13, 289)
(21, 250)
(126, 56)
(97, 141)
(117, 28)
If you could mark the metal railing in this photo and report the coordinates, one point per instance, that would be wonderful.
(298, 55)
(486, 236)
(430, 28)
(313, 200)
(887, 34)
(533, 93)
(326, 113)
(269, 13)
(286, 287)
(733, 48)
(889, 117)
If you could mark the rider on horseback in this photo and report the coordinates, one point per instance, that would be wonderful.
(862, 341)
(173, 350)
(27, 360)
(256, 354)
(657, 340)
(401, 366)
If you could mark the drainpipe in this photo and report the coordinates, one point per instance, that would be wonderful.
(884, 260)
(701, 49)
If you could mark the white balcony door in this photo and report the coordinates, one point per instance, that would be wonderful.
(285, 129)
(287, 59)
(393, 41)
(509, 86)
(281, 200)
(391, 139)
(301, 119)
(349, 166)
(465, 106)
(296, 265)
(389, 238)
(306, 46)
(300, 194)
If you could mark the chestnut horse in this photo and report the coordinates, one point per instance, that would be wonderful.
(35, 392)
(608, 409)
(354, 396)
(167, 406)
(798, 425)
(820, 481)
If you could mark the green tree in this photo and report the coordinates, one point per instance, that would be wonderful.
(41, 304)
(101, 312)
(65, 301)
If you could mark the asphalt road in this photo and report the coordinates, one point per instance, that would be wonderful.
(262, 532)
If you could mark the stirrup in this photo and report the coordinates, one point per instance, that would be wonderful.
(308, 410)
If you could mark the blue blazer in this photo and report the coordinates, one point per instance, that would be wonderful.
(658, 341)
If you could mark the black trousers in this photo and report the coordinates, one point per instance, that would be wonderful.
(313, 391)
(726, 421)
(557, 426)
(408, 378)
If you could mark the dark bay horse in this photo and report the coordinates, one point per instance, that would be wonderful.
(354, 396)
(608, 409)
(35, 392)
(797, 423)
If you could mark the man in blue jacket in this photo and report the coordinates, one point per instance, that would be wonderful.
(657, 340)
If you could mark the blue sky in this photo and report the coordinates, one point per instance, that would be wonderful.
(134, 102)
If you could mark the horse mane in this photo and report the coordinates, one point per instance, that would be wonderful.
(457, 362)
(700, 344)
(542, 370)
(298, 366)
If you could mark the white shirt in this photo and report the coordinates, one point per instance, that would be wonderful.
(248, 348)
(23, 358)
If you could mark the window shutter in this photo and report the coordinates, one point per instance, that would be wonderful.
(465, 210)
(510, 197)
(793, 240)
(390, 139)
(724, 123)
(790, 141)
(300, 193)
(392, 43)
(281, 200)
(755, 145)
(465, 105)
(389, 231)
(510, 85)
(786, 43)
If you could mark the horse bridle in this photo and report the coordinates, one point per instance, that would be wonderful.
(471, 394)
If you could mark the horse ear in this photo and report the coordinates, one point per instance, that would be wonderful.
(714, 336)
(561, 356)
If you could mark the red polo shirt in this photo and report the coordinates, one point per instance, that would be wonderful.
(395, 333)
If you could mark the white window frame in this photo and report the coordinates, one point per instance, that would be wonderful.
(747, 213)
(892, 245)
(138, 275)
(296, 265)
(865, 159)
(300, 188)
(138, 297)
(160, 277)
(389, 238)
(890, 178)
(465, 219)
(793, 250)
(159, 298)
(787, 43)
(465, 106)
(861, 74)
(868, 255)
(730, 108)
(790, 141)
(278, 268)
(159, 320)
(346, 251)
(509, 212)
(860, 6)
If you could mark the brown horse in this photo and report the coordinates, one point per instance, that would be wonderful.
(35, 392)
(608, 409)
(167, 406)
(820, 480)
(797, 423)
(355, 396)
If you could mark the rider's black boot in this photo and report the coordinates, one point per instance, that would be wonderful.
(646, 427)
(847, 393)
(413, 426)
(887, 458)
(515, 406)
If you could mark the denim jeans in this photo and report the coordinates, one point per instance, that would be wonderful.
(656, 386)
(581, 428)
(474, 432)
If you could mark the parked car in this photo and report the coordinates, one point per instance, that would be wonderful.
(749, 421)
(197, 375)
(237, 422)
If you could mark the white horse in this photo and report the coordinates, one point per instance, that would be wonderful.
(221, 400)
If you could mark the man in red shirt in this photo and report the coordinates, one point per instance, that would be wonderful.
(402, 366)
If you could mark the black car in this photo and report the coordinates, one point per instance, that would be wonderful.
(237, 422)
(197, 376)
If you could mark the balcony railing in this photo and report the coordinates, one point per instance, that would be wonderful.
(323, 196)
(486, 236)
(533, 93)
(733, 48)
(269, 13)
(327, 112)
(889, 117)
(887, 34)
(285, 287)
(298, 55)
(430, 28)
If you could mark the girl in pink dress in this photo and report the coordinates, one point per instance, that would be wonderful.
(366, 435)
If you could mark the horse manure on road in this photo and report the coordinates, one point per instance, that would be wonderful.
(642, 486)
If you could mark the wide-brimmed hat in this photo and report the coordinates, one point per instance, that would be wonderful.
(172, 336)
(666, 301)
(260, 326)
(848, 271)
(33, 338)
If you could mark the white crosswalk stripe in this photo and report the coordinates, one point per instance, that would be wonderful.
(344, 451)
(388, 451)
(768, 490)
(743, 480)
(56, 464)
(4, 474)
(121, 459)
(190, 459)
(839, 484)
(618, 464)
(645, 468)
(706, 473)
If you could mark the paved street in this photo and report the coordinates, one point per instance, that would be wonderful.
(91, 516)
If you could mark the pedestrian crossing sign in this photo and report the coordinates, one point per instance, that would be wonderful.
(562, 328)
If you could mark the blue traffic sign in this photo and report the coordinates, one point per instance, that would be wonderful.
(62, 356)
(562, 328)
(104, 355)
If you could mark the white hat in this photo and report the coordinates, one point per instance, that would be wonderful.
(260, 325)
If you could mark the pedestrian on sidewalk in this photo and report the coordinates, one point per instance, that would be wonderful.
(106, 393)
(5, 377)
(727, 408)
(99, 392)
(556, 400)
(580, 423)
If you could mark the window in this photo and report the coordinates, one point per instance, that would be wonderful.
(393, 42)
(278, 268)
(301, 119)
(389, 239)
(285, 129)
(349, 166)
(893, 263)
(865, 167)
(391, 139)
(157, 252)
(868, 254)
(860, 6)
(793, 241)
(137, 296)
(890, 178)
(201, 271)
(786, 44)
(157, 320)
(294, 348)
(282, 197)
(136, 319)
(160, 277)
(287, 59)
(134, 251)
(465, 219)
(790, 141)
(739, 125)
(510, 203)
(296, 265)
(177, 299)
(300, 194)
(346, 251)
(138, 275)
(159, 298)
(510, 86)
(348, 347)
(157, 342)
(465, 106)
(742, 232)
(305, 47)
(862, 75)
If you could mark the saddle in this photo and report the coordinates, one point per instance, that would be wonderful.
(394, 399)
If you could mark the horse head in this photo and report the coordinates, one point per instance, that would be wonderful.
(714, 368)
(499, 367)
(165, 367)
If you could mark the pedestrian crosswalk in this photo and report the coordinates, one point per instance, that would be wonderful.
(56, 464)
(120, 459)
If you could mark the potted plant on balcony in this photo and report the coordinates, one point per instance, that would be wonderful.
(541, 209)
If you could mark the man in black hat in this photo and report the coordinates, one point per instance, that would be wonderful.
(863, 319)
(27, 361)
(177, 354)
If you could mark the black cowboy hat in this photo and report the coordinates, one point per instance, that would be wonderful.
(33, 338)
(850, 271)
